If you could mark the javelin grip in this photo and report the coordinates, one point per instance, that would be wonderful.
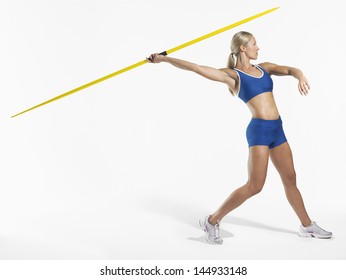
(163, 53)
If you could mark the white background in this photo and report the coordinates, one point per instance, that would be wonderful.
(123, 170)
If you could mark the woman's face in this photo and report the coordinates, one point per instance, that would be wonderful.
(251, 49)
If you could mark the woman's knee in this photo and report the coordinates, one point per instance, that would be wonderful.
(290, 179)
(255, 187)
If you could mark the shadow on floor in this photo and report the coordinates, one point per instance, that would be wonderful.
(248, 223)
(186, 214)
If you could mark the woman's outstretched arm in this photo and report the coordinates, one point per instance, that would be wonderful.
(220, 75)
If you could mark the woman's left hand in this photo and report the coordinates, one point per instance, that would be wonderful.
(303, 86)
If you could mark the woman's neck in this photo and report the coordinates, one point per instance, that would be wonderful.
(243, 63)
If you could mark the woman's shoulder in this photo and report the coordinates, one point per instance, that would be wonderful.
(270, 68)
(266, 66)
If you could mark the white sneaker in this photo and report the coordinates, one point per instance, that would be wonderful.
(212, 235)
(315, 231)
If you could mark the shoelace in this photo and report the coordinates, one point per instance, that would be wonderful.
(216, 231)
(318, 227)
(315, 228)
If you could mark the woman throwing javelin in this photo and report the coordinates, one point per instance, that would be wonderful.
(265, 135)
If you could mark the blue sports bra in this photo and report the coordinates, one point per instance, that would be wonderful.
(251, 86)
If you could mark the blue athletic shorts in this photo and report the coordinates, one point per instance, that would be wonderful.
(265, 133)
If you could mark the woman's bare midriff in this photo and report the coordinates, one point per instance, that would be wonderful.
(263, 106)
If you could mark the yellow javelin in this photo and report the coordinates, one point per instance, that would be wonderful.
(145, 61)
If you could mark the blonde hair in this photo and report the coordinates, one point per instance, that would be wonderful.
(239, 39)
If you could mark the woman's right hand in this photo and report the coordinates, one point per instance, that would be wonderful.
(155, 58)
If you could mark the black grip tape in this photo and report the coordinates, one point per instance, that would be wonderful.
(163, 53)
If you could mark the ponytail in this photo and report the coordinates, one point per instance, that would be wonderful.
(231, 65)
(239, 39)
(231, 61)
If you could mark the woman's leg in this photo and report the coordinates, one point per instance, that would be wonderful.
(282, 159)
(257, 169)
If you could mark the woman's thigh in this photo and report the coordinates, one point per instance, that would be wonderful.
(258, 165)
(282, 158)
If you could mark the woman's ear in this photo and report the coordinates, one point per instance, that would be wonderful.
(242, 48)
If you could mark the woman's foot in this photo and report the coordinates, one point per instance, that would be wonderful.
(315, 231)
(212, 234)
